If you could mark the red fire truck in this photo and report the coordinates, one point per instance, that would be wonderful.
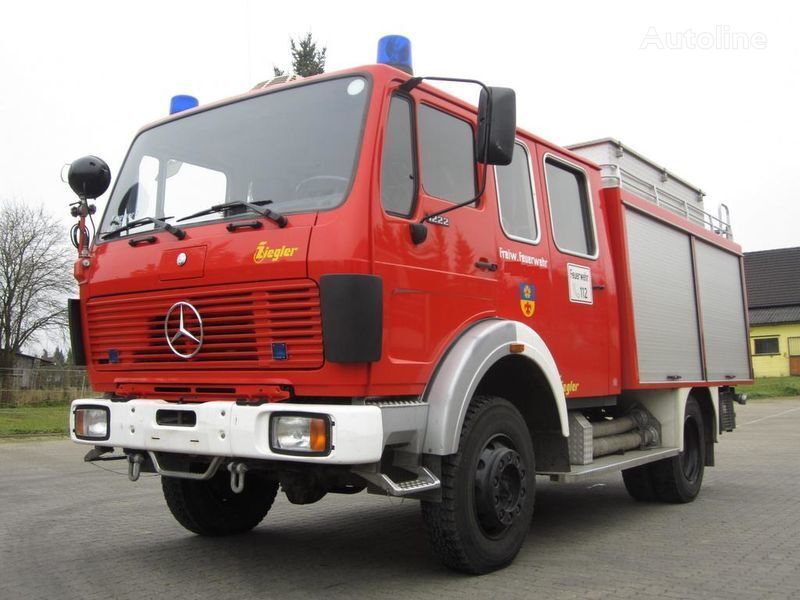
(356, 280)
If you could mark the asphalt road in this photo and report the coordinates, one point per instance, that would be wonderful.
(71, 530)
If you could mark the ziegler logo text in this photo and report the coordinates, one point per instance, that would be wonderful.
(264, 252)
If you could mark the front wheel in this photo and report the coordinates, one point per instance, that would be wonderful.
(211, 508)
(487, 490)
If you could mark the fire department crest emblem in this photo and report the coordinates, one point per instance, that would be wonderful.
(527, 298)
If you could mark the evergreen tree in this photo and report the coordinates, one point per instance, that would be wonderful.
(59, 358)
(306, 59)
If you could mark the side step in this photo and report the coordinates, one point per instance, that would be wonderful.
(425, 482)
(611, 463)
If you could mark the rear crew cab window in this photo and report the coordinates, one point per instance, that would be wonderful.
(447, 155)
(516, 198)
(570, 208)
(398, 177)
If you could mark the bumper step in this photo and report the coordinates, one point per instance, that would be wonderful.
(425, 482)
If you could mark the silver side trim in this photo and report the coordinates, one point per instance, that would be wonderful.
(609, 464)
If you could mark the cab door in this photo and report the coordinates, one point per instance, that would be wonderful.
(523, 243)
(580, 309)
(432, 289)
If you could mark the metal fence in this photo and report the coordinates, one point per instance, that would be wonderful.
(42, 386)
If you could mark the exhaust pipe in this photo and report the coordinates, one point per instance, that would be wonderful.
(624, 441)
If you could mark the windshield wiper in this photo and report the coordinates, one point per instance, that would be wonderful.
(176, 231)
(279, 219)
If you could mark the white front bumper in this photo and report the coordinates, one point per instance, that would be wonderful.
(228, 429)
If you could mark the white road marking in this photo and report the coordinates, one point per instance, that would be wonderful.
(786, 412)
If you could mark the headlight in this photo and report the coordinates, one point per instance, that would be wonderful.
(91, 422)
(300, 434)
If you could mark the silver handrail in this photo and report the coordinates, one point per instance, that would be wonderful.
(661, 197)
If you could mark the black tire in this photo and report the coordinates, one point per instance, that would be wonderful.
(210, 508)
(639, 483)
(488, 490)
(677, 479)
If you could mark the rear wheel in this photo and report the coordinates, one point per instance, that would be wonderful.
(677, 479)
(639, 483)
(211, 508)
(487, 490)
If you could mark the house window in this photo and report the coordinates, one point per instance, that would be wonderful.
(765, 345)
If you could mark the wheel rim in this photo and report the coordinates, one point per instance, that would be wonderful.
(500, 486)
(690, 457)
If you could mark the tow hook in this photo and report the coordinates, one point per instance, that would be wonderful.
(238, 471)
(135, 465)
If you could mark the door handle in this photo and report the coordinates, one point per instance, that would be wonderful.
(151, 239)
(486, 265)
(244, 225)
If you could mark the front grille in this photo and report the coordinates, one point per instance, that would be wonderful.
(240, 325)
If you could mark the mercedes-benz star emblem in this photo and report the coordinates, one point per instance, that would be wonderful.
(179, 334)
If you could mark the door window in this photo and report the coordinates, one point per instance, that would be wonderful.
(398, 170)
(570, 209)
(447, 155)
(516, 198)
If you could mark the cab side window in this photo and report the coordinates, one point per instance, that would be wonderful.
(447, 155)
(570, 208)
(515, 195)
(398, 176)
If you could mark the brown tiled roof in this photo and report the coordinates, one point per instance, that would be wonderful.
(774, 315)
(773, 278)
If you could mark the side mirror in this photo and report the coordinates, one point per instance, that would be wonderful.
(89, 177)
(497, 125)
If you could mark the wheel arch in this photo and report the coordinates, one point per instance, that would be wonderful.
(482, 360)
(669, 407)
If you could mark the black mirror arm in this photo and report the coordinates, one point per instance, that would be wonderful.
(460, 204)
(419, 232)
(411, 83)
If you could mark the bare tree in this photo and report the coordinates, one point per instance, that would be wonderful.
(35, 278)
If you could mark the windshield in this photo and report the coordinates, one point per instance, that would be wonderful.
(294, 148)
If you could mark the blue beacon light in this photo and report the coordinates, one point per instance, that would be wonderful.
(181, 102)
(395, 50)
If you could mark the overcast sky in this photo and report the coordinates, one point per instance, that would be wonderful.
(81, 77)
